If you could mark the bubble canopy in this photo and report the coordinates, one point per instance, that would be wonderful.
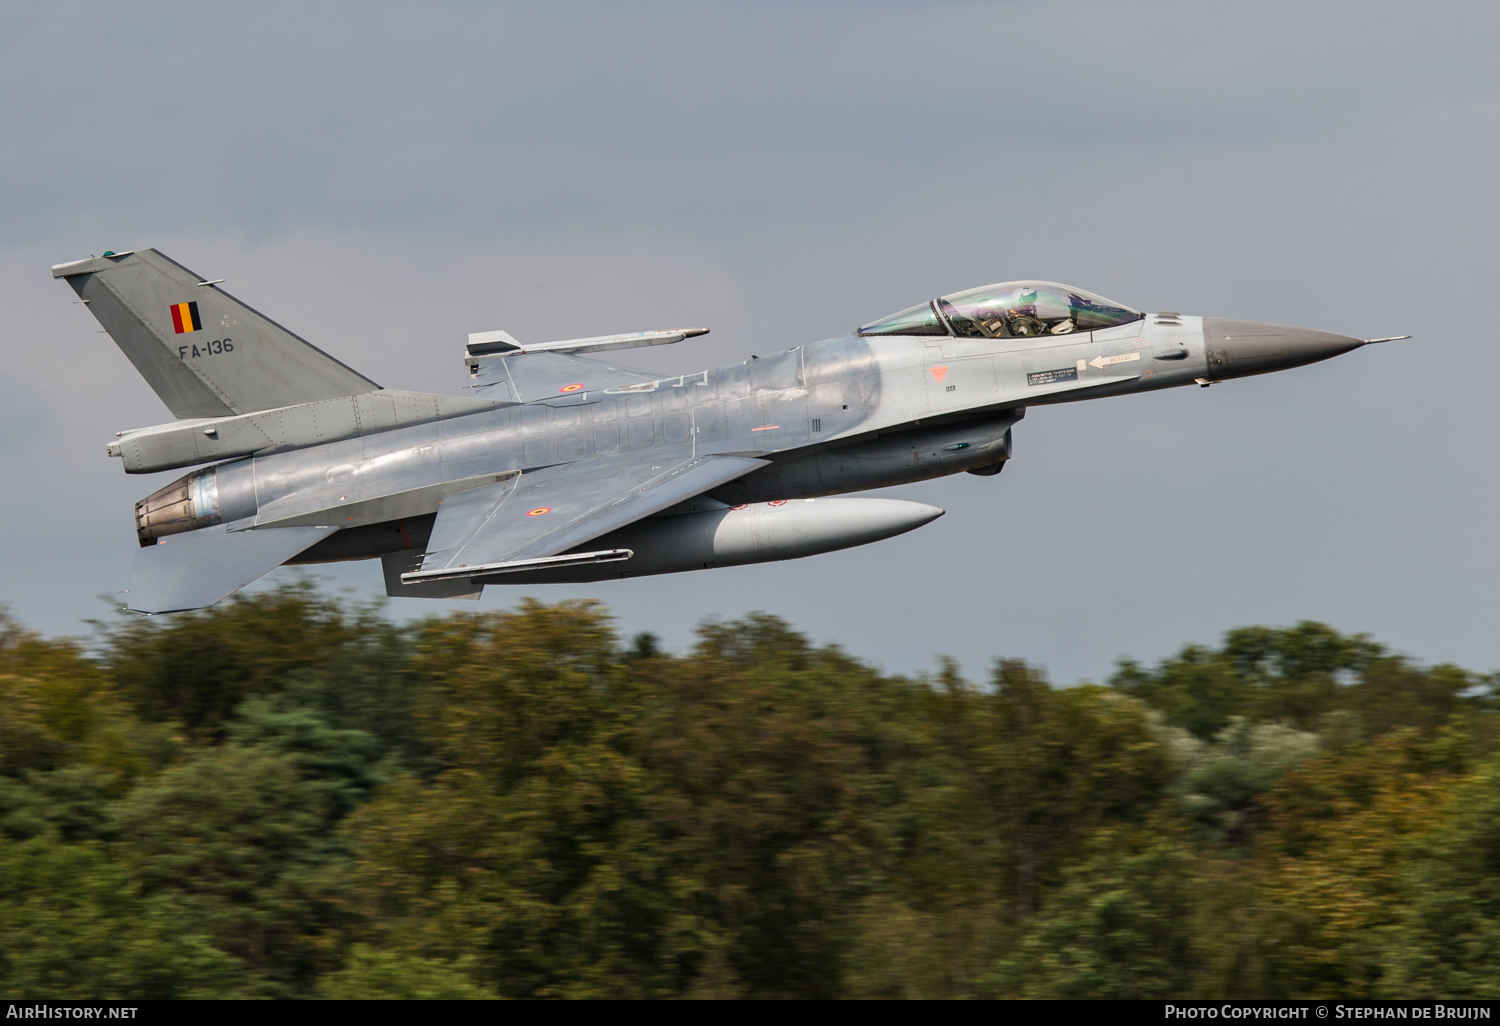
(1012, 309)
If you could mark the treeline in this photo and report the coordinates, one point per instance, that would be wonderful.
(291, 796)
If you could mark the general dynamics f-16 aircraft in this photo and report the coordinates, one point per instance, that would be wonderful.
(554, 467)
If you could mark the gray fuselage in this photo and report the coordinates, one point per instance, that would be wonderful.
(845, 414)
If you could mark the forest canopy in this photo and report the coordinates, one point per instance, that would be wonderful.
(290, 795)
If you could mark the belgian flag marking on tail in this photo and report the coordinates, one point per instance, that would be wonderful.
(185, 318)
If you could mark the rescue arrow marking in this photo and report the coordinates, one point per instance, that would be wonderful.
(1105, 361)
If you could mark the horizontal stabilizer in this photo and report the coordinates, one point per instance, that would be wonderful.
(198, 568)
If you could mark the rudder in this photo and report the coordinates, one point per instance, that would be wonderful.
(205, 353)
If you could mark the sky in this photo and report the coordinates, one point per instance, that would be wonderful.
(386, 178)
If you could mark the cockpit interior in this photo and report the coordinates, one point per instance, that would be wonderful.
(1012, 309)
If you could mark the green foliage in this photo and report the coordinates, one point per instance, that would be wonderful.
(386, 975)
(58, 709)
(242, 836)
(195, 669)
(769, 761)
(74, 802)
(1448, 940)
(521, 846)
(1047, 766)
(1309, 677)
(1197, 690)
(1119, 926)
(1218, 783)
(73, 923)
(1330, 873)
(289, 796)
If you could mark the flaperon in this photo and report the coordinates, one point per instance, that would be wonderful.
(556, 467)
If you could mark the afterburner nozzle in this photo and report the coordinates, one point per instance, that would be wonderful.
(186, 504)
(224, 492)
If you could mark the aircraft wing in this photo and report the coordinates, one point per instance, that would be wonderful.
(532, 376)
(529, 521)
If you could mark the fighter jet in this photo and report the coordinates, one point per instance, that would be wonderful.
(551, 466)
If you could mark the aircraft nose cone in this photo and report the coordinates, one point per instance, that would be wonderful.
(1240, 348)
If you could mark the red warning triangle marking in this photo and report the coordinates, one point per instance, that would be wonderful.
(939, 373)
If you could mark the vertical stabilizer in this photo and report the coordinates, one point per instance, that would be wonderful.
(203, 351)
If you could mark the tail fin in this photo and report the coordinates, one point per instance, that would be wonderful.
(203, 351)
